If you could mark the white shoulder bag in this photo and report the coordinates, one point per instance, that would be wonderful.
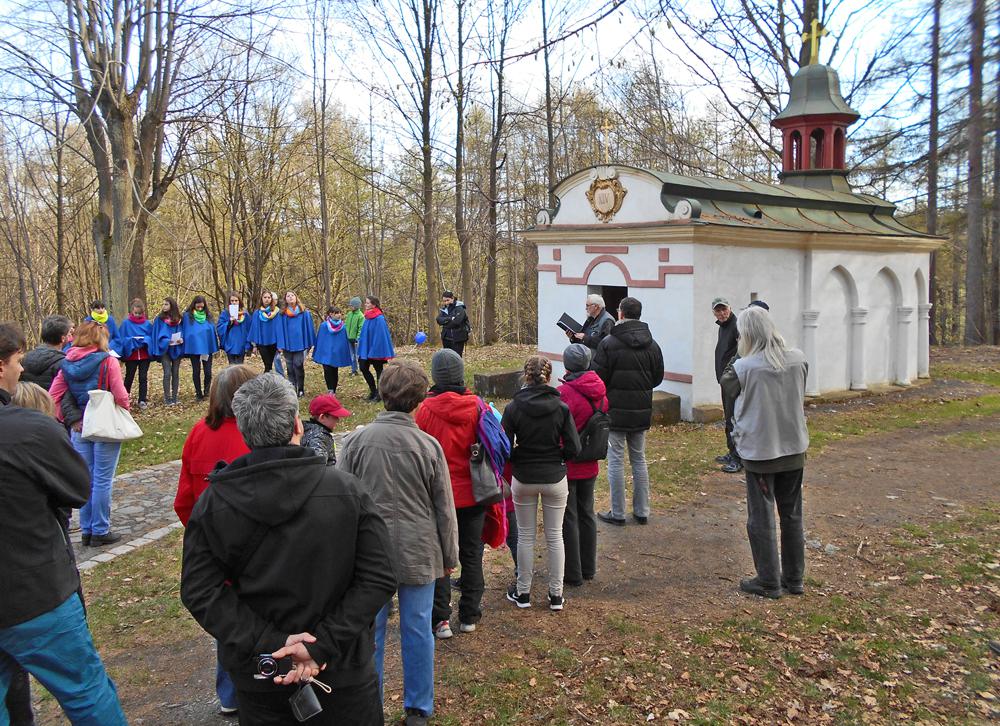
(106, 421)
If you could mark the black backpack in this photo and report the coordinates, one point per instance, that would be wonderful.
(594, 436)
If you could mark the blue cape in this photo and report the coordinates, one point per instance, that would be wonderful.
(161, 340)
(332, 348)
(235, 337)
(199, 338)
(375, 341)
(125, 344)
(295, 333)
(262, 332)
(111, 325)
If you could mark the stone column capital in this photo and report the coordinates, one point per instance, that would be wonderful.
(859, 316)
(904, 313)
(924, 310)
(810, 318)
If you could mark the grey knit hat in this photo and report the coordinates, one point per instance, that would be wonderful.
(576, 358)
(355, 302)
(447, 368)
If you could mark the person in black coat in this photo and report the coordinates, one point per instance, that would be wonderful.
(454, 322)
(725, 351)
(42, 364)
(287, 556)
(631, 365)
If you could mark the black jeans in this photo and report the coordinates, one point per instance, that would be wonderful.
(457, 347)
(728, 410)
(470, 555)
(366, 370)
(295, 363)
(764, 492)
(131, 366)
(267, 353)
(236, 360)
(171, 377)
(197, 364)
(331, 374)
(18, 699)
(358, 705)
(580, 532)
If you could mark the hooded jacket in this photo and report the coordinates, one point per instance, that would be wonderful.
(542, 434)
(582, 392)
(80, 373)
(324, 565)
(41, 365)
(454, 322)
(631, 365)
(453, 418)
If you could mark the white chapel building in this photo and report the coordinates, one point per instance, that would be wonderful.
(845, 281)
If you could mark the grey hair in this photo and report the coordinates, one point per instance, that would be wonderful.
(596, 300)
(266, 408)
(759, 335)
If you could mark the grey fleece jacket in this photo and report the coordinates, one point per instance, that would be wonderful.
(769, 421)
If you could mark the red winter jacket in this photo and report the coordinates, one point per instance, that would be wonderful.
(452, 419)
(203, 449)
(578, 394)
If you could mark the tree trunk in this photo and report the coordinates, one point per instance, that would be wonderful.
(550, 166)
(932, 168)
(427, 177)
(995, 229)
(461, 231)
(975, 321)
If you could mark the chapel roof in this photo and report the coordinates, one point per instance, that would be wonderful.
(815, 91)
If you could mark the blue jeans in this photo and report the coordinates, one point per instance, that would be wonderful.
(102, 460)
(56, 648)
(417, 642)
(224, 687)
(278, 367)
(354, 355)
(636, 441)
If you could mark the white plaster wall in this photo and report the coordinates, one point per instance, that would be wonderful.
(880, 333)
(641, 204)
(833, 337)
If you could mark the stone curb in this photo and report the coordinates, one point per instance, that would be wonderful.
(148, 538)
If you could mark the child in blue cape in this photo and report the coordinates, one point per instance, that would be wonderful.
(200, 343)
(234, 331)
(134, 343)
(263, 332)
(295, 337)
(332, 349)
(168, 346)
(374, 345)
(99, 314)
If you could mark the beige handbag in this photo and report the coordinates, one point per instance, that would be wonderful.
(106, 421)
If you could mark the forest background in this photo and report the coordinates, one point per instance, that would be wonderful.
(396, 147)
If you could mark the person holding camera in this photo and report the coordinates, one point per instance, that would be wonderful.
(286, 563)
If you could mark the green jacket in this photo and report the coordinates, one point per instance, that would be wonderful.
(354, 319)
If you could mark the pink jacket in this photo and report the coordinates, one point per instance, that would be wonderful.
(578, 394)
(112, 379)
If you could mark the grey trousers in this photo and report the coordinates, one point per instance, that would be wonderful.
(636, 441)
(765, 492)
(553, 498)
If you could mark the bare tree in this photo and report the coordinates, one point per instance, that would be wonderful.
(975, 320)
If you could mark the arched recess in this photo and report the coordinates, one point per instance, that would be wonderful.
(796, 141)
(838, 294)
(838, 149)
(921, 286)
(884, 296)
(817, 140)
(920, 337)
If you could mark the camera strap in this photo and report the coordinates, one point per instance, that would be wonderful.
(249, 549)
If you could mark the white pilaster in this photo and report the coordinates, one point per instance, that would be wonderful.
(810, 322)
(904, 316)
(924, 340)
(859, 318)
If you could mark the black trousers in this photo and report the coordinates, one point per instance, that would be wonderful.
(580, 532)
(18, 699)
(728, 410)
(457, 347)
(131, 366)
(267, 353)
(331, 374)
(236, 360)
(359, 705)
(295, 363)
(765, 492)
(197, 365)
(366, 370)
(470, 555)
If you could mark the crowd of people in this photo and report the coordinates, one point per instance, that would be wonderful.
(267, 499)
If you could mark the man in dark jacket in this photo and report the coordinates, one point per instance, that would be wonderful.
(725, 350)
(42, 364)
(631, 365)
(42, 624)
(286, 556)
(596, 327)
(454, 322)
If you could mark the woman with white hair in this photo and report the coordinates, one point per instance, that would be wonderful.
(769, 429)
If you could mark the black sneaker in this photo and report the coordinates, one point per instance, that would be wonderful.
(640, 520)
(724, 459)
(99, 540)
(753, 586)
(555, 602)
(733, 466)
(522, 600)
(792, 589)
(606, 517)
(415, 717)
(85, 540)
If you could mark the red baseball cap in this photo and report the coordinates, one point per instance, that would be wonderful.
(327, 403)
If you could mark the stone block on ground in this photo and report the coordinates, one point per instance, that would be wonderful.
(707, 414)
(501, 385)
(666, 408)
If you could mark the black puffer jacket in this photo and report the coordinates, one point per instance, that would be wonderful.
(41, 365)
(725, 348)
(542, 434)
(454, 322)
(317, 437)
(631, 365)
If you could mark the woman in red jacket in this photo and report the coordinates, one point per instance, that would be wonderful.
(450, 414)
(213, 439)
(583, 391)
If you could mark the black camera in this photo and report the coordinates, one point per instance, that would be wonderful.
(270, 667)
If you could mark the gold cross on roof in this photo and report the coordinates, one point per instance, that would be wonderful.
(813, 39)
(606, 129)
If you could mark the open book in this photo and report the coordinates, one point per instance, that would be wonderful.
(569, 324)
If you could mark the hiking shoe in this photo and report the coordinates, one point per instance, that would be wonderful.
(724, 459)
(442, 631)
(415, 717)
(792, 588)
(640, 520)
(466, 627)
(522, 600)
(733, 467)
(228, 710)
(555, 602)
(753, 586)
(109, 537)
(607, 518)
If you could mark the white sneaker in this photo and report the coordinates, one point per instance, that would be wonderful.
(442, 631)
(466, 627)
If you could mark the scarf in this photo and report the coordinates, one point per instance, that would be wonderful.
(99, 317)
(334, 326)
(292, 312)
(138, 319)
(165, 317)
(372, 314)
(239, 318)
(200, 316)
(267, 313)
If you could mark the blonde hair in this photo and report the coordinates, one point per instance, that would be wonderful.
(537, 370)
(91, 334)
(31, 395)
(758, 334)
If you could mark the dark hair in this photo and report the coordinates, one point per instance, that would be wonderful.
(97, 305)
(333, 309)
(403, 385)
(11, 340)
(631, 309)
(537, 370)
(374, 301)
(221, 392)
(137, 301)
(174, 313)
(55, 328)
(199, 299)
(91, 333)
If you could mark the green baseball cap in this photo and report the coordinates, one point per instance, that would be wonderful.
(719, 301)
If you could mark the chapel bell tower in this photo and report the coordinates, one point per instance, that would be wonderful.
(814, 126)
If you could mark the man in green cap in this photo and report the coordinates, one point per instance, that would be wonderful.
(725, 349)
